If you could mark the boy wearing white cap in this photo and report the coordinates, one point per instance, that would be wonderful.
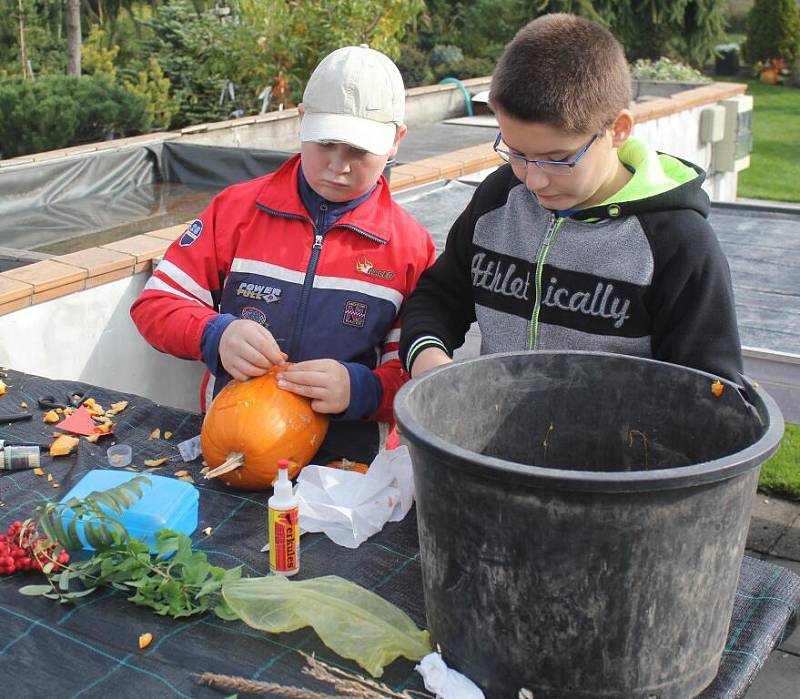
(306, 267)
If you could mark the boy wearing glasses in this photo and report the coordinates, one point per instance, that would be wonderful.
(587, 239)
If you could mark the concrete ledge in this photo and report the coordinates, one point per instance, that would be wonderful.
(14, 289)
(142, 247)
(778, 373)
(75, 151)
(100, 263)
(47, 279)
(680, 101)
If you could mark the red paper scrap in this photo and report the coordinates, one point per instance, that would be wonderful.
(80, 422)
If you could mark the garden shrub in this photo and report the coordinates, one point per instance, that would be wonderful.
(666, 69)
(56, 111)
(682, 28)
(468, 67)
(196, 54)
(773, 31)
(97, 58)
(413, 66)
(153, 85)
(441, 55)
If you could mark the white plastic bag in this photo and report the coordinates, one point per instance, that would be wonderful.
(349, 506)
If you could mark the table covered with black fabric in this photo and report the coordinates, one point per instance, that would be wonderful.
(90, 648)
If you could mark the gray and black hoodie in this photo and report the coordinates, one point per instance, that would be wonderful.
(640, 274)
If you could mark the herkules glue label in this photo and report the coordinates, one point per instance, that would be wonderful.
(284, 535)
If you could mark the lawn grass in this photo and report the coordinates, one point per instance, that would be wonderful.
(774, 171)
(781, 474)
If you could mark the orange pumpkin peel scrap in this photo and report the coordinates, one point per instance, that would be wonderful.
(152, 463)
(63, 445)
(50, 417)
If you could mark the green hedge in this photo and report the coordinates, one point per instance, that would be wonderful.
(56, 111)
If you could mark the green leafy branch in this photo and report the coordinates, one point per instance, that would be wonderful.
(176, 581)
(181, 582)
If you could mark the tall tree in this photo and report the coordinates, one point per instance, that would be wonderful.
(73, 37)
(23, 51)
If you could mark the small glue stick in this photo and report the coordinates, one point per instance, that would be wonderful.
(284, 526)
(18, 458)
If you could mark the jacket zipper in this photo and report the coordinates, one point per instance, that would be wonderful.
(362, 232)
(308, 284)
(316, 250)
(541, 256)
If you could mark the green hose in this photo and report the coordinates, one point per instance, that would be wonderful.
(463, 89)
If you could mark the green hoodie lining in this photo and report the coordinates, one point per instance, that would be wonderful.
(654, 173)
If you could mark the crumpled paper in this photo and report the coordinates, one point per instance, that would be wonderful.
(349, 506)
(445, 682)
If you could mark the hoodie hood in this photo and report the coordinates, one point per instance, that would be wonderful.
(660, 182)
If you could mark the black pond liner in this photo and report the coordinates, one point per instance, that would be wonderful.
(64, 204)
(582, 518)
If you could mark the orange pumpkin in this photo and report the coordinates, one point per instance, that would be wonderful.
(261, 423)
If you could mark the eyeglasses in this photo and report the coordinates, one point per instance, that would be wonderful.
(551, 167)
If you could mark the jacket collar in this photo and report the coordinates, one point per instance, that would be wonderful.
(373, 217)
(313, 201)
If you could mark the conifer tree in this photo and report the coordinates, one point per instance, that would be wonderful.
(773, 30)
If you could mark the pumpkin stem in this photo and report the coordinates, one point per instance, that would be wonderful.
(235, 460)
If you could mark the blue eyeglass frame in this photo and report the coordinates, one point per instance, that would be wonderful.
(508, 156)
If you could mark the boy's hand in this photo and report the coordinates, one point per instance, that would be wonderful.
(247, 349)
(428, 359)
(325, 381)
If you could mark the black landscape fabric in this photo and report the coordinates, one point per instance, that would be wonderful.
(90, 649)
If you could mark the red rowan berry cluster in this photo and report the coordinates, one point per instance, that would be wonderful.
(21, 549)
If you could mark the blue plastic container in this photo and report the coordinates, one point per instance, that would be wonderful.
(166, 504)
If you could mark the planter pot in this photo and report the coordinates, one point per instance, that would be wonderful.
(582, 519)
(768, 76)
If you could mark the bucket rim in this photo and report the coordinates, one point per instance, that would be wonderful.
(699, 474)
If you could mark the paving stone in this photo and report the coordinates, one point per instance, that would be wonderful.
(769, 520)
(790, 643)
(788, 544)
(778, 679)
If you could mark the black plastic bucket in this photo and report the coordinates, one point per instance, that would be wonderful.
(582, 518)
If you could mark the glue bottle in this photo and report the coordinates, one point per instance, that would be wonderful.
(284, 525)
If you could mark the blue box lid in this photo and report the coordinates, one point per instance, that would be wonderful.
(166, 504)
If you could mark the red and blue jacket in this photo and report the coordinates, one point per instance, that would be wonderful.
(327, 280)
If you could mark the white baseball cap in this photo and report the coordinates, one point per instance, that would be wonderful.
(355, 96)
